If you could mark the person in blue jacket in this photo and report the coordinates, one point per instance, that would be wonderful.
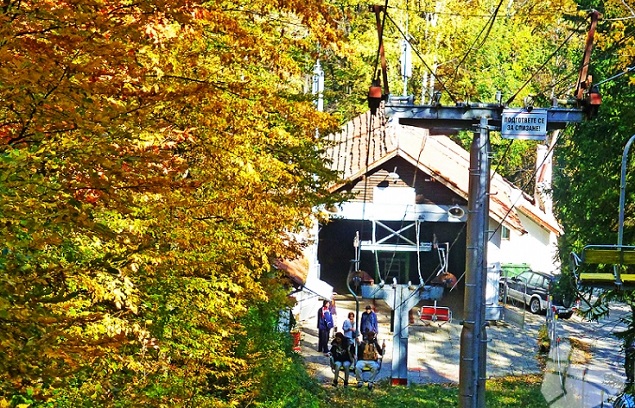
(368, 322)
(324, 325)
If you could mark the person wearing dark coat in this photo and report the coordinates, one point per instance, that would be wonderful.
(368, 322)
(324, 325)
(342, 354)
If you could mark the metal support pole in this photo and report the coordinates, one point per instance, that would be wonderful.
(620, 224)
(400, 337)
(620, 232)
(473, 335)
(401, 298)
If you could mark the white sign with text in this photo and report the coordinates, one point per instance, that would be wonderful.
(524, 124)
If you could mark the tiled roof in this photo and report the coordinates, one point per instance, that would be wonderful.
(356, 151)
(296, 269)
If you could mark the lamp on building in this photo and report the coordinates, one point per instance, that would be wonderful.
(393, 175)
(332, 208)
(456, 211)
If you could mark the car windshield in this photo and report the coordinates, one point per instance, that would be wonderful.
(524, 276)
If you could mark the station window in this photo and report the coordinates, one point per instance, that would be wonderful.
(505, 233)
(392, 266)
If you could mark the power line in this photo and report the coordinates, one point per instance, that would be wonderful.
(629, 69)
(599, 55)
(620, 18)
(474, 45)
(414, 48)
(500, 161)
(469, 14)
(488, 26)
(522, 189)
(403, 219)
(510, 100)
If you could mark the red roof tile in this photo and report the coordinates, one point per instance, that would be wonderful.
(356, 151)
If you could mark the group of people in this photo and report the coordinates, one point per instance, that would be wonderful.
(344, 345)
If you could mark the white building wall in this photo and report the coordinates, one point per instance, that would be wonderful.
(537, 247)
(309, 299)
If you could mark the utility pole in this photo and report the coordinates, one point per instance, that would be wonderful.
(525, 123)
(473, 334)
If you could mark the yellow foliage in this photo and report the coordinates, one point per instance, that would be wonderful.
(151, 154)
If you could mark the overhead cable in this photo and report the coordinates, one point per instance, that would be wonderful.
(522, 189)
(488, 26)
(511, 99)
(414, 48)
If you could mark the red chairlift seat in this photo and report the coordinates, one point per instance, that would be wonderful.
(435, 314)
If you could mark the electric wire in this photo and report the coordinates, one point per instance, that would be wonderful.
(601, 55)
(629, 69)
(389, 266)
(414, 180)
(473, 15)
(626, 71)
(549, 152)
(403, 219)
(598, 56)
(416, 51)
(382, 28)
(368, 155)
(368, 141)
(421, 280)
(619, 18)
(610, 52)
(511, 99)
(500, 161)
(566, 79)
(513, 204)
(358, 254)
(487, 26)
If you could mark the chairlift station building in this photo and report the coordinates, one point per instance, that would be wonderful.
(410, 207)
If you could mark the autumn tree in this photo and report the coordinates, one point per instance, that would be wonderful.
(155, 156)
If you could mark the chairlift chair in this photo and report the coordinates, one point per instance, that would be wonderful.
(616, 255)
(435, 314)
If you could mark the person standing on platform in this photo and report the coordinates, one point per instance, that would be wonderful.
(324, 325)
(333, 310)
(368, 322)
(349, 328)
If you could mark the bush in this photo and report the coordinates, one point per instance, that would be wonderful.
(544, 342)
(276, 375)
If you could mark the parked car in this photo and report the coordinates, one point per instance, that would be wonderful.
(533, 289)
